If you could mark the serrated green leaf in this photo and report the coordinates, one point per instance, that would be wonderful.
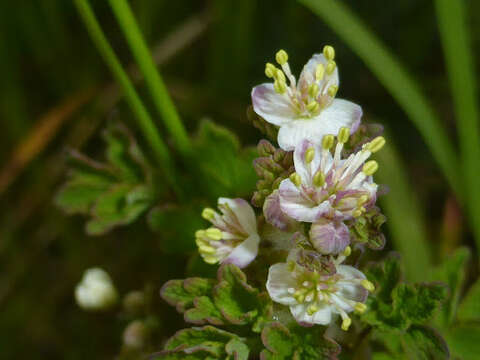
(78, 197)
(452, 271)
(181, 293)
(424, 343)
(464, 341)
(297, 343)
(226, 169)
(237, 301)
(385, 275)
(177, 225)
(469, 309)
(204, 311)
(207, 342)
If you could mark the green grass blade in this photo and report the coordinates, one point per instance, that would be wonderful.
(405, 218)
(158, 90)
(458, 55)
(144, 120)
(395, 79)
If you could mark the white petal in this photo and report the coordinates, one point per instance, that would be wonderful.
(244, 213)
(354, 292)
(278, 282)
(341, 113)
(244, 253)
(274, 214)
(307, 75)
(275, 108)
(297, 206)
(323, 316)
(306, 171)
(349, 272)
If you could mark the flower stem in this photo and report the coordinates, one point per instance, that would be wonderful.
(158, 90)
(452, 23)
(145, 122)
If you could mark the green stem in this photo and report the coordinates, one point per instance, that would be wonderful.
(452, 22)
(395, 78)
(145, 122)
(158, 90)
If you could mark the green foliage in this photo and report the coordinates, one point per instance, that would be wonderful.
(227, 300)
(469, 309)
(397, 311)
(113, 193)
(207, 342)
(298, 343)
(177, 225)
(225, 169)
(464, 341)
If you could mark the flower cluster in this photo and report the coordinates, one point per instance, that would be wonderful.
(315, 204)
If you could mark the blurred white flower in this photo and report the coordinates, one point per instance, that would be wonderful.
(315, 297)
(96, 290)
(233, 237)
(307, 110)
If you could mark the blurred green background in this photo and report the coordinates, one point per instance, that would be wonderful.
(56, 93)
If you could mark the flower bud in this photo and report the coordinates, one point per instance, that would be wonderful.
(96, 291)
(135, 335)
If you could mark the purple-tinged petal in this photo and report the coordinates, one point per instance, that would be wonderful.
(329, 237)
(275, 108)
(307, 76)
(244, 213)
(244, 253)
(302, 168)
(274, 214)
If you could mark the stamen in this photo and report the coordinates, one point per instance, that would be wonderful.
(319, 179)
(214, 233)
(347, 251)
(296, 179)
(313, 106)
(362, 200)
(207, 249)
(270, 70)
(200, 233)
(370, 167)
(210, 259)
(313, 90)
(306, 284)
(360, 308)
(343, 135)
(327, 141)
(281, 57)
(332, 90)
(312, 309)
(346, 323)
(309, 155)
(328, 52)
(376, 144)
(331, 67)
(280, 76)
(208, 214)
(368, 285)
(319, 72)
(280, 87)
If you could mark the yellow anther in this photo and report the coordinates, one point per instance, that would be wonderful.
(331, 67)
(299, 296)
(200, 233)
(205, 249)
(281, 57)
(309, 155)
(343, 135)
(362, 200)
(296, 179)
(329, 52)
(368, 285)
(346, 323)
(214, 234)
(208, 214)
(360, 308)
(319, 72)
(280, 76)
(313, 90)
(319, 179)
(347, 251)
(332, 90)
(312, 309)
(313, 106)
(370, 167)
(327, 141)
(270, 70)
(357, 213)
(376, 144)
(210, 259)
(280, 86)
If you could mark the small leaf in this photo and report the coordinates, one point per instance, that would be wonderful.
(469, 309)
(424, 343)
(181, 293)
(386, 275)
(204, 311)
(237, 301)
(237, 350)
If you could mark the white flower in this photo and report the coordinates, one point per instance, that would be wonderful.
(315, 297)
(96, 290)
(307, 110)
(233, 237)
(327, 186)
